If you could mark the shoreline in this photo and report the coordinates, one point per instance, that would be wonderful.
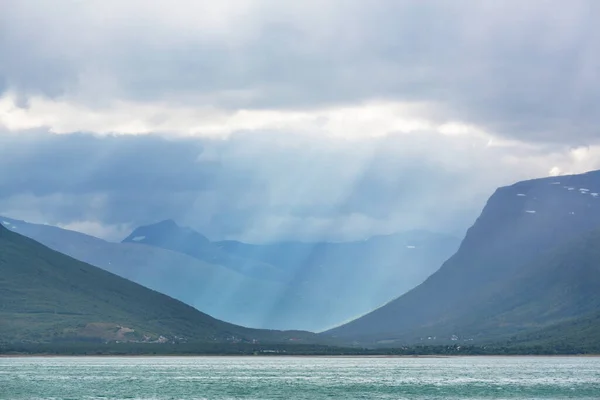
(293, 356)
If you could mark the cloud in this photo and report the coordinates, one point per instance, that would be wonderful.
(523, 70)
(265, 120)
(369, 119)
(267, 186)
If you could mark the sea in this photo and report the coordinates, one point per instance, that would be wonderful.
(290, 378)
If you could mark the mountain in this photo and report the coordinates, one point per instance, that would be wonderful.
(528, 262)
(212, 288)
(47, 296)
(168, 235)
(581, 334)
(314, 286)
(339, 281)
(322, 283)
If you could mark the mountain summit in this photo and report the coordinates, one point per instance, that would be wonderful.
(168, 235)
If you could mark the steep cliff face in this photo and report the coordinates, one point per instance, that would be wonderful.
(519, 226)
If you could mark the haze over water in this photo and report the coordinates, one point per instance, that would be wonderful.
(300, 378)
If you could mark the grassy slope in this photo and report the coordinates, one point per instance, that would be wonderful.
(581, 333)
(45, 295)
(561, 286)
(215, 289)
(476, 291)
(552, 299)
(373, 271)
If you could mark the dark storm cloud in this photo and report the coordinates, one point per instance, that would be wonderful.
(79, 164)
(140, 179)
(257, 186)
(113, 179)
(527, 70)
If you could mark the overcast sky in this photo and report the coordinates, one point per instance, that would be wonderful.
(265, 120)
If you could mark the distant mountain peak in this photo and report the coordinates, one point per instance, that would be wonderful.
(164, 225)
(166, 230)
(167, 223)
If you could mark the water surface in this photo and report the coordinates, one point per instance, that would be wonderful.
(300, 378)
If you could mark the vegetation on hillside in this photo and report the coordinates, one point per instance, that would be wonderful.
(47, 296)
(203, 348)
(530, 261)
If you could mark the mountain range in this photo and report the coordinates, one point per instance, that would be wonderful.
(527, 273)
(530, 263)
(46, 296)
(290, 285)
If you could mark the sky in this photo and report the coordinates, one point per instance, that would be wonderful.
(263, 120)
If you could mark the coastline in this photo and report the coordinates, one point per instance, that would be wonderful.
(292, 356)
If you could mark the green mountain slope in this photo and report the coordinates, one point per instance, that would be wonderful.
(215, 289)
(531, 260)
(304, 294)
(555, 289)
(581, 334)
(45, 296)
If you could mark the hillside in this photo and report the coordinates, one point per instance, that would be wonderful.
(304, 292)
(525, 264)
(48, 296)
(212, 288)
(561, 285)
(582, 334)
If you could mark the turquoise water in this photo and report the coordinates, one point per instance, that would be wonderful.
(300, 378)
